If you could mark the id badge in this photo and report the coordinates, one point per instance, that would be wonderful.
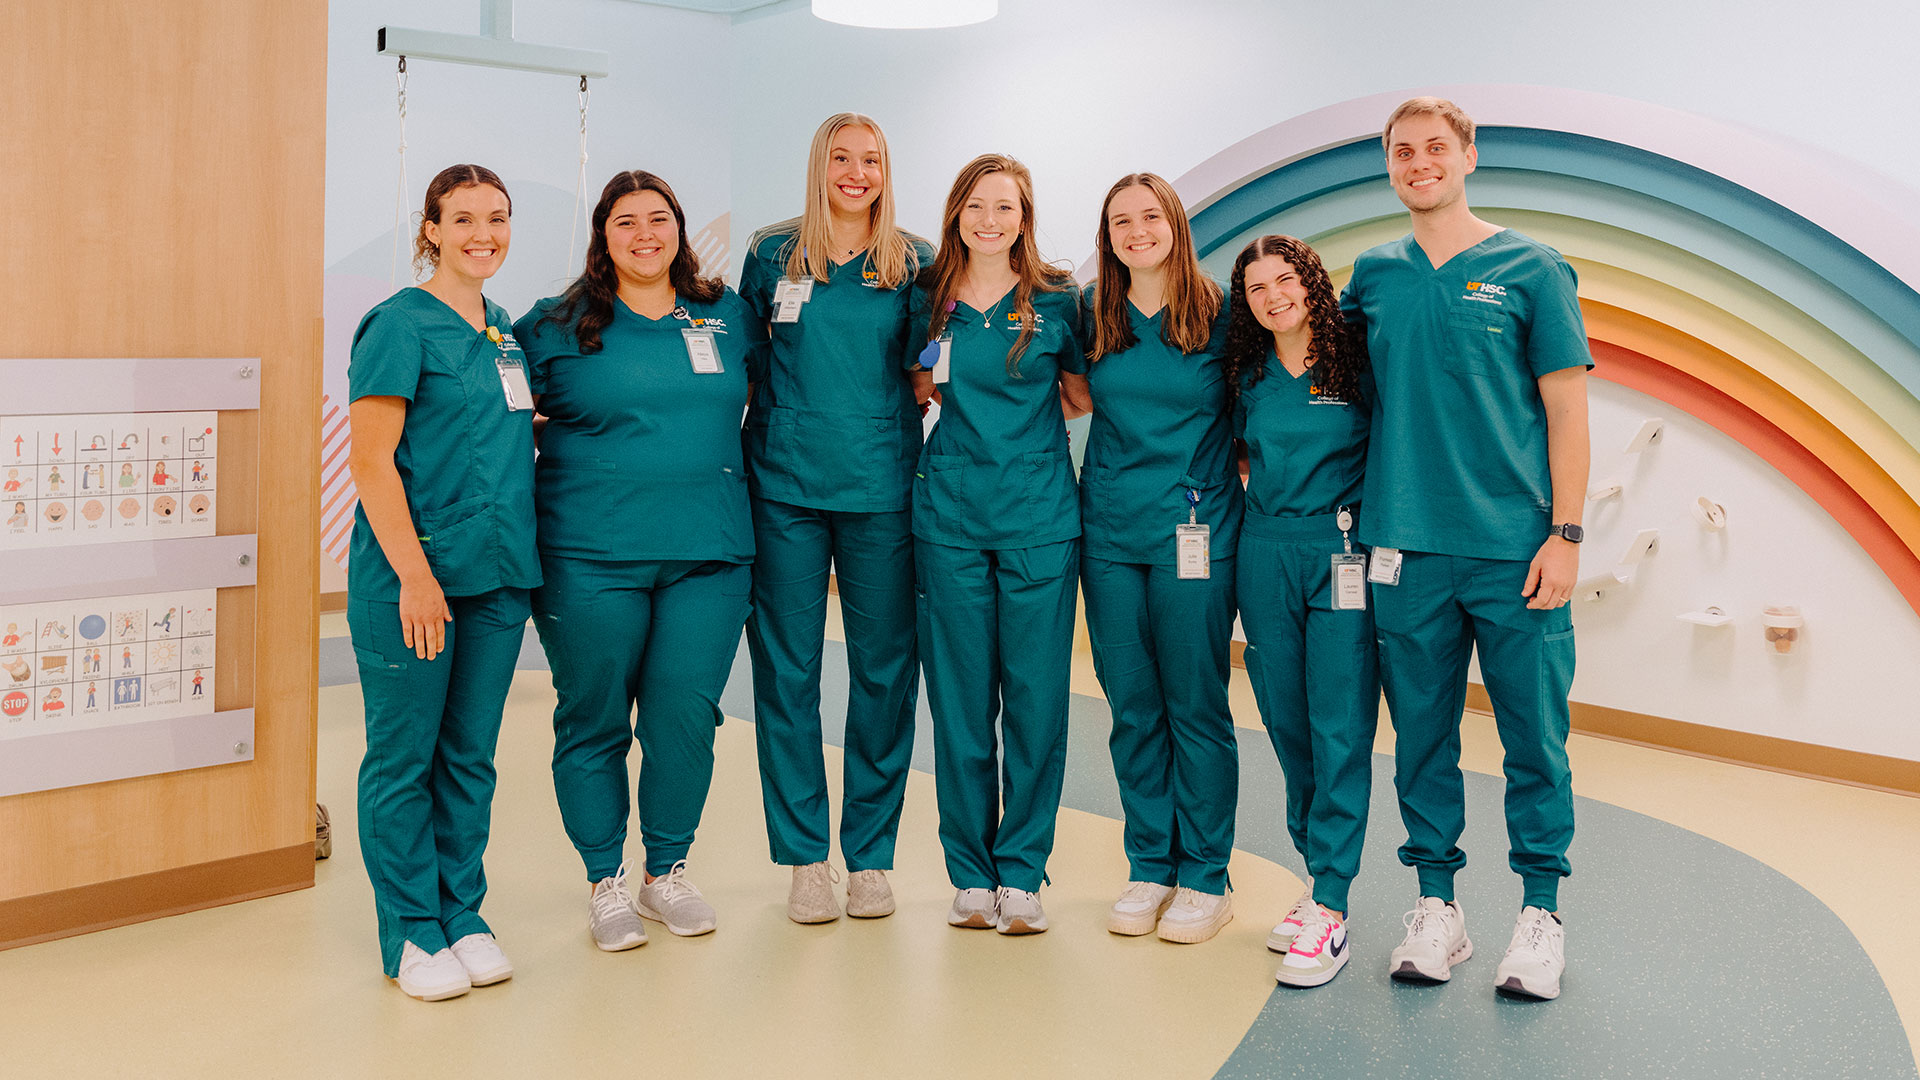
(788, 296)
(1386, 566)
(702, 352)
(513, 382)
(1349, 582)
(1192, 552)
(943, 367)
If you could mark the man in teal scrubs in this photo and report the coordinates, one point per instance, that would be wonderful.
(832, 436)
(1476, 478)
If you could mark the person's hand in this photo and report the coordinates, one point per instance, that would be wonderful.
(1551, 575)
(424, 616)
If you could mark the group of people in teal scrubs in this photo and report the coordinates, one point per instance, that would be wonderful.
(1443, 393)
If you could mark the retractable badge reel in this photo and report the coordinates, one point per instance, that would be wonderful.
(513, 374)
(1191, 543)
(1349, 569)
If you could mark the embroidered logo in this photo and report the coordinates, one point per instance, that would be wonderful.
(1485, 292)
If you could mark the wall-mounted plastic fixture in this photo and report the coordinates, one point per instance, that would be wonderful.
(1648, 434)
(1643, 544)
(1593, 588)
(1783, 623)
(1711, 515)
(1712, 616)
(1606, 489)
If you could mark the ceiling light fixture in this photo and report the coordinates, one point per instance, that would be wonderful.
(906, 14)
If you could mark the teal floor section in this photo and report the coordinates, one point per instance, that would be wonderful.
(1686, 958)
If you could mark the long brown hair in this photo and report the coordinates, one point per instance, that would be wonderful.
(889, 250)
(1338, 355)
(1192, 299)
(426, 253)
(942, 280)
(590, 298)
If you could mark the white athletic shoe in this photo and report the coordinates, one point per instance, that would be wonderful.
(1280, 938)
(615, 926)
(480, 955)
(1318, 951)
(1436, 940)
(868, 894)
(1020, 912)
(435, 977)
(811, 898)
(1195, 916)
(973, 909)
(1138, 910)
(672, 899)
(1536, 957)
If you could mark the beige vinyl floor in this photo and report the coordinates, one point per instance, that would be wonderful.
(290, 986)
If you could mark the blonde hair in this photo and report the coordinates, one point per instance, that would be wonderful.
(1192, 301)
(889, 251)
(1454, 115)
(1030, 272)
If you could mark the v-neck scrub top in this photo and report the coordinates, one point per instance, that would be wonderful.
(1306, 450)
(464, 458)
(1161, 427)
(834, 425)
(995, 474)
(641, 458)
(1458, 462)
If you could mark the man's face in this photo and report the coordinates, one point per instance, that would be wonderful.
(1427, 163)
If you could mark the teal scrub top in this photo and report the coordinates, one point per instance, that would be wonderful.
(1458, 463)
(995, 473)
(1162, 426)
(833, 424)
(1306, 450)
(640, 458)
(465, 460)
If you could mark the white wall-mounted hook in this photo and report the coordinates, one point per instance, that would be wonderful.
(1648, 434)
(1711, 515)
(1606, 489)
(1711, 616)
(1643, 544)
(1593, 588)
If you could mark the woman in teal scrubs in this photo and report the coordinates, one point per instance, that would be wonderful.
(1303, 408)
(996, 523)
(1160, 505)
(832, 437)
(642, 369)
(441, 561)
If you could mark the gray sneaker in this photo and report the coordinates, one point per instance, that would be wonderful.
(610, 915)
(672, 899)
(868, 894)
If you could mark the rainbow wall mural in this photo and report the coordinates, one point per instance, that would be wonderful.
(1758, 285)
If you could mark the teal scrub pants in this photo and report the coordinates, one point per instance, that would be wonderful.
(1162, 648)
(426, 784)
(872, 560)
(1315, 675)
(639, 649)
(996, 641)
(1428, 625)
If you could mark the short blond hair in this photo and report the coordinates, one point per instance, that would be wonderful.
(1454, 115)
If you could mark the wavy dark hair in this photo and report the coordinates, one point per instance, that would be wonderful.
(587, 305)
(1338, 355)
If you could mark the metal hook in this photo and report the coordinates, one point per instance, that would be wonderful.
(403, 65)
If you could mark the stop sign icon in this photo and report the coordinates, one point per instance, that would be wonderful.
(14, 703)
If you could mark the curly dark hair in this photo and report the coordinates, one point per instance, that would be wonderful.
(587, 304)
(1338, 357)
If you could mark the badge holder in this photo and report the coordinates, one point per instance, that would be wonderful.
(1191, 544)
(788, 296)
(702, 352)
(1349, 569)
(513, 376)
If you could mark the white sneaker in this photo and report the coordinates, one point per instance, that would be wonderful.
(1318, 952)
(615, 926)
(868, 894)
(972, 909)
(1020, 912)
(1436, 940)
(480, 955)
(1195, 916)
(1138, 910)
(811, 898)
(431, 978)
(1280, 938)
(1536, 957)
(672, 899)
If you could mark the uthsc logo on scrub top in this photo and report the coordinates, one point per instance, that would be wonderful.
(1013, 321)
(1486, 292)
